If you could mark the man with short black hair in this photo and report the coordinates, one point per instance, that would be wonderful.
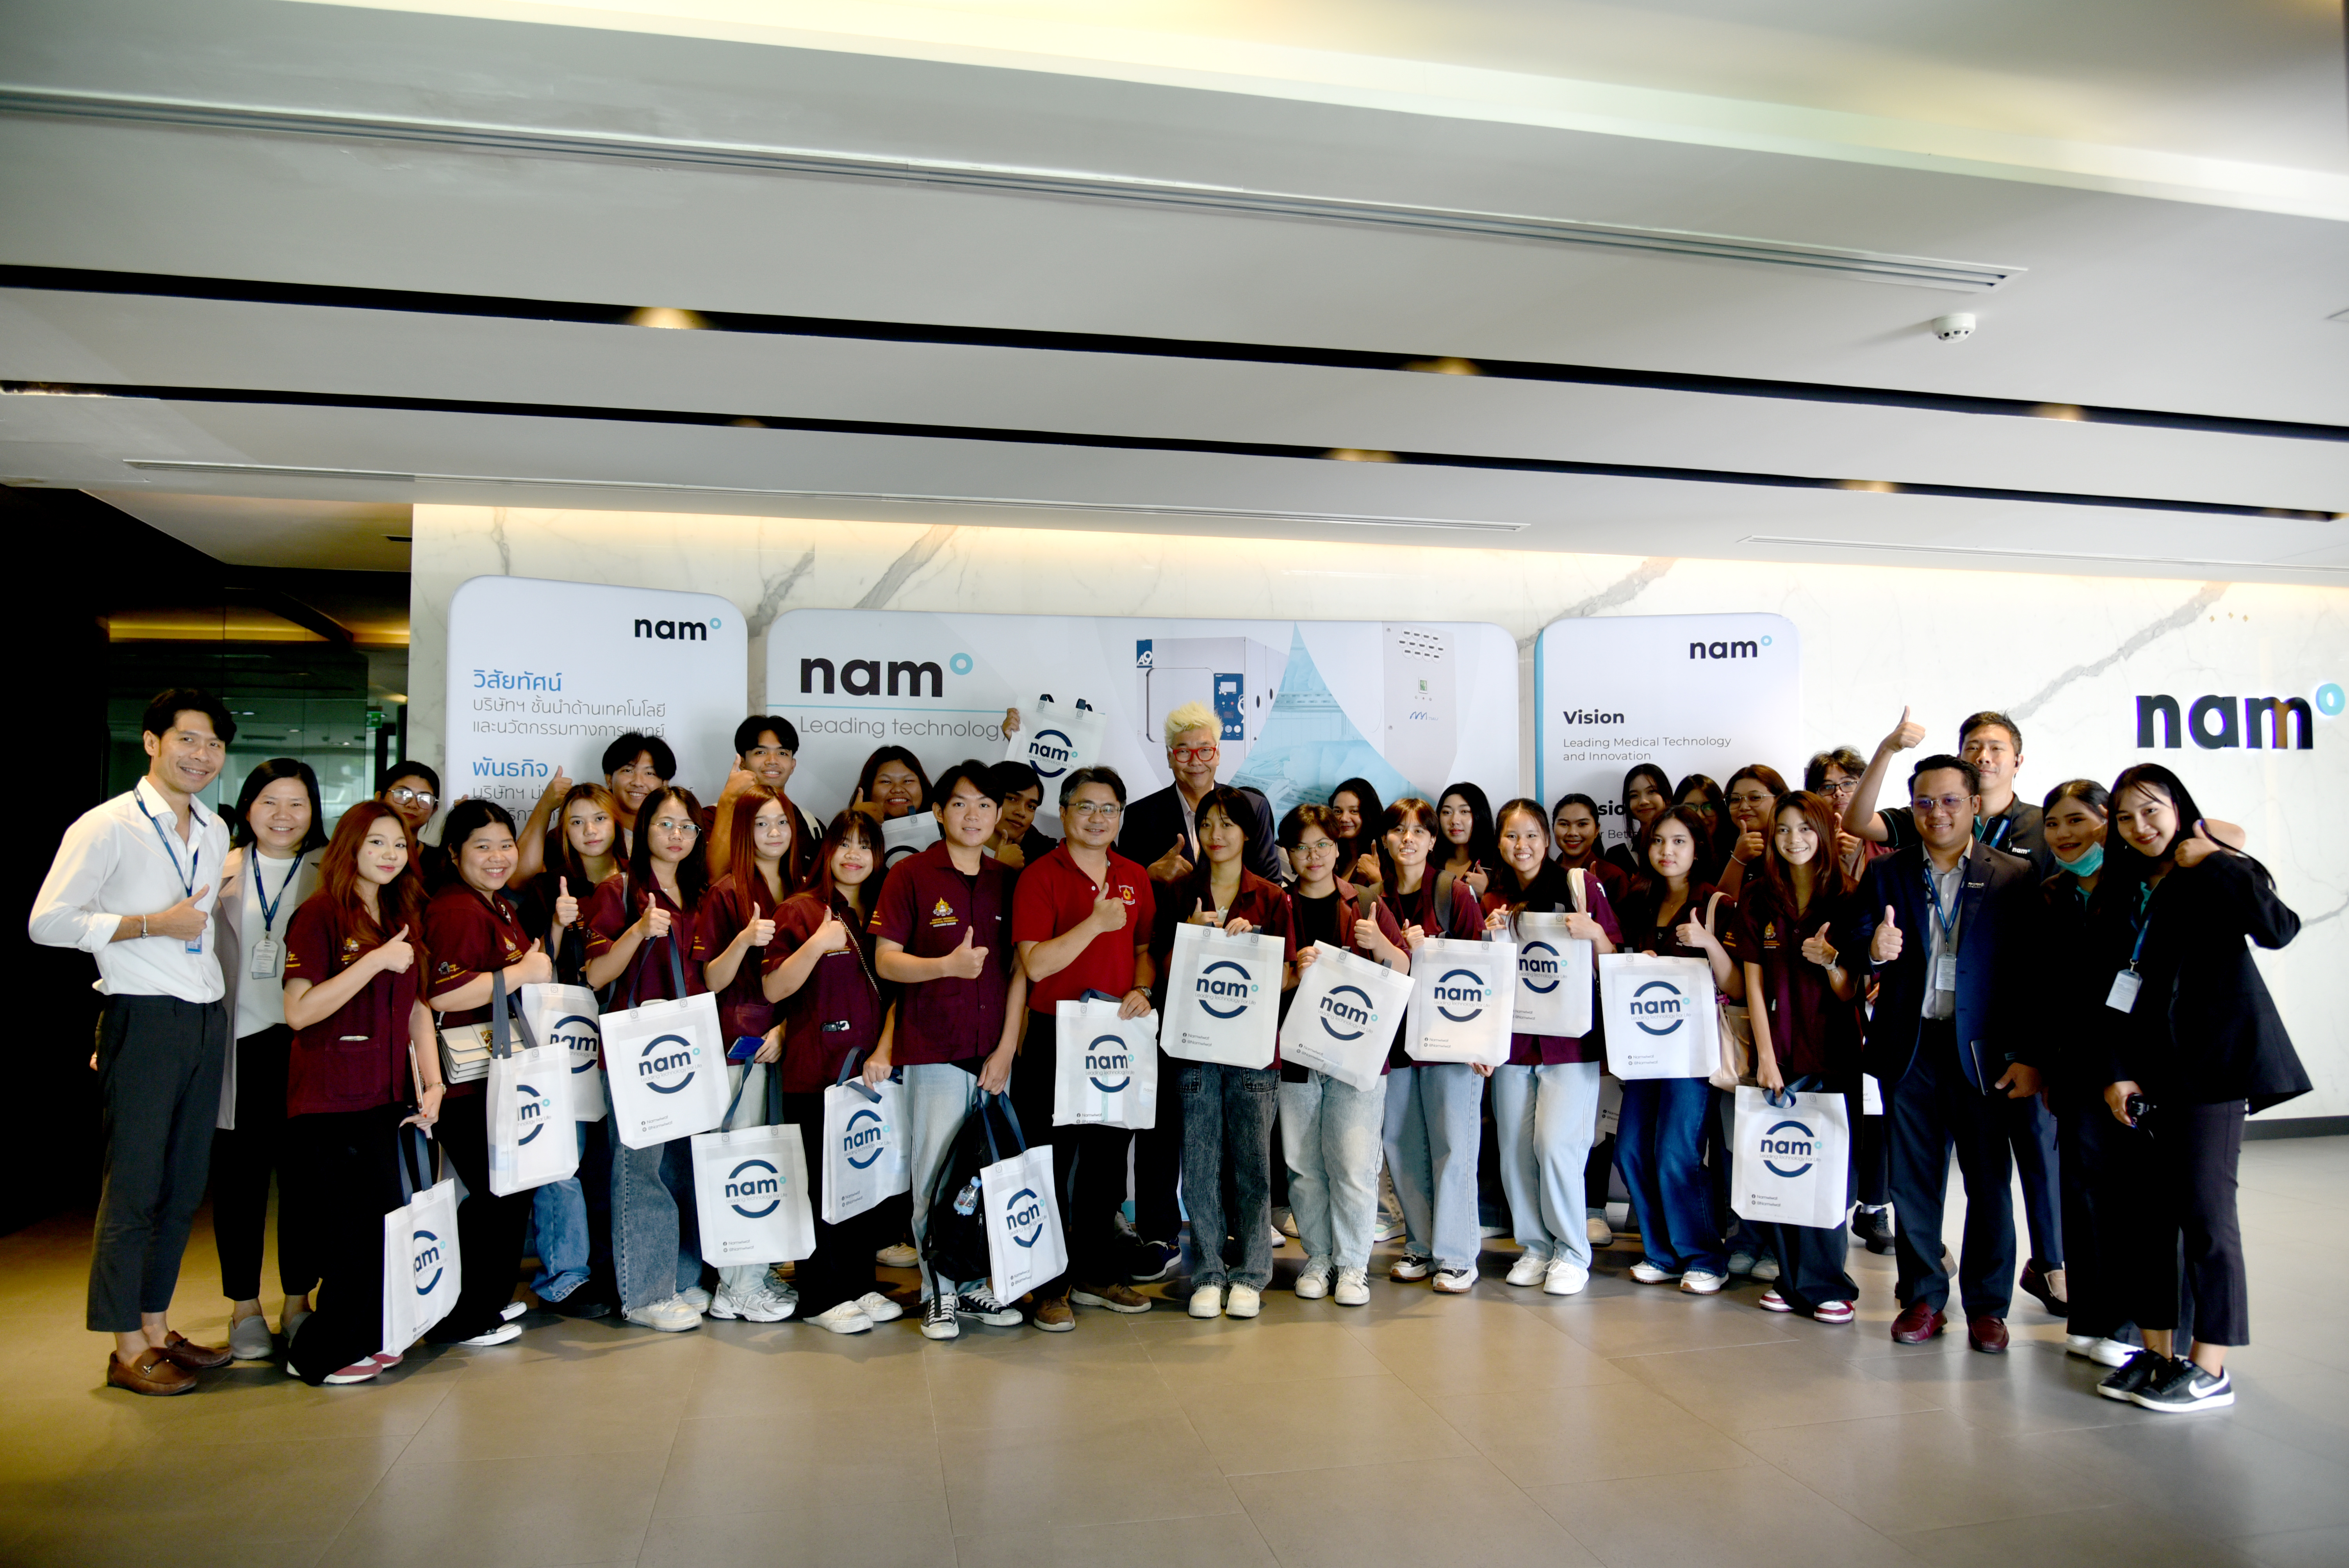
(1993, 743)
(766, 752)
(1944, 922)
(635, 764)
(132, 884)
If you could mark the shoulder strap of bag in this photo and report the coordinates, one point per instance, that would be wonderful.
(501, 1042)
(1711, 908)
(412, 1141)
(1003, 1102)
(1444, 880)
(849, 1065)
(1581, 900)
(737, 1101)
(675, 965)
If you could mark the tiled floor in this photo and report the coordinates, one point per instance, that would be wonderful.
(1629, 1425)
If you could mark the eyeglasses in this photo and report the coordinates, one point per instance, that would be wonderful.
(1208, 753)
(401, 795)
(1105, 809)
(1949, 805)
(671, 825)
(1847, 787)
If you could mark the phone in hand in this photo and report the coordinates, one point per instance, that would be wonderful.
(744, 1047)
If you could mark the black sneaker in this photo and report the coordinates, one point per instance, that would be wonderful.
(1150, 1261)
(585, 1302)
(2183, 1386)
(1874, 1227)
(2033, 1284)
(2138, 1371)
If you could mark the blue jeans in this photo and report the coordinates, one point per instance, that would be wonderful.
(938, 1097)
(656, 1232)
(1544, 1118)
(1435, 1122)
(1330, 1133)
(1228, 1121)
(558, 1213)
(1659, 1148)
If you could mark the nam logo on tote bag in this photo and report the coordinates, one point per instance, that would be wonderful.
(1792, 1162)
(1659, 1015)
(1104, 1067)
(1461, 1000)
(564, 1017)
(1344, 1015)
(1223, 997)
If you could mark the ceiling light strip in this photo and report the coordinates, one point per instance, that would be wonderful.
(1926, 271)
(1810, 544)
(1260, 514)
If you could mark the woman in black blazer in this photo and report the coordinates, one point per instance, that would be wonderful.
(2191, 1043)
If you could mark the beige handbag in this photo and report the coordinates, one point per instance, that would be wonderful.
(1736, 1031)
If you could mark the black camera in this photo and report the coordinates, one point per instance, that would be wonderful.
(2137, 1106)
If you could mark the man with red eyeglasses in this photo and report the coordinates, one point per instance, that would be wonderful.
(1161, 829)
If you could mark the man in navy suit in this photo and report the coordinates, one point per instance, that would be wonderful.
(1945, 928)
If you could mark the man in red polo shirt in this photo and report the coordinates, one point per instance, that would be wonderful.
(943, 930)
(1082, 917)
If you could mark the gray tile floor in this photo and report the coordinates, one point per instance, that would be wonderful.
(1628, 1425)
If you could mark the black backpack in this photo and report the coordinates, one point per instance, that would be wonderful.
(953, 1244)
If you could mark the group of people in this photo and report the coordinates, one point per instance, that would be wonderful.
(2066, 990)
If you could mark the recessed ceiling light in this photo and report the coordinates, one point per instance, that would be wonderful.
(665, 316)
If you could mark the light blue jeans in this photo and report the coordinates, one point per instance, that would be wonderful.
(558, 1213)
(938, 1097)
(1545, 1117)
(749, 1110)
(1434, 1124)
(1329, 1134)
(655, 1232)
(1228, 1115)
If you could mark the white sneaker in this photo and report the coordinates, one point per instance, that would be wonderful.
(674, 1316)
(897, 1255)
(1285, 1221)
(1313, 1280)
(938, 1318)
(1455, 1282)
(1647, 1273)
(2096, 1349)
(1243, 1301)
(1529, 1269)
(754, 1306)
(846, 1318)
(1565, 1277)
(1701, 1282)
(513, 1310)
(1353, 1288)
(248, 1339)
(1410, 1266)
(694, 1296)
(1207, 1301)
(1489, 1233)
(1388, 1231)
(502, 1333)
(879, 1307)
(1765, 1270)
(1279, 1239)
(1600, 1233)
(981, 1306)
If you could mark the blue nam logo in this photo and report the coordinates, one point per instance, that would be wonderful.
(1789, 1139)
(1023, 1217)
(1049, 751)
(1349, 1006)
(1109, 1054)
(576, 1032)
(1460, 988)
(665, 1056)
(750, 1182)
(1671, 1005)
(1224, 981)
(865, 1134)
(531, 1114)
(1538, 968)
(424, 1265)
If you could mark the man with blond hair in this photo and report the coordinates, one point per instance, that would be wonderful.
(1161, 829)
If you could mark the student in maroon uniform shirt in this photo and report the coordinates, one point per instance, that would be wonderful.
(643, 941)
(1083, 916)
(944, 928)
(1578, 840)
(478, 941)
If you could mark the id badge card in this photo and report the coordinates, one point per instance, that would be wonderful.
(266, 954)
(2122, 997)
(1945, 972)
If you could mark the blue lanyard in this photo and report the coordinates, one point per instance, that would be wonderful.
(269, 905)
(1995, 838)
(2144, 924)
(188, 877)
(1933, 897)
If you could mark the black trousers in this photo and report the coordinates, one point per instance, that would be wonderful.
(488, 1228)
(841, 1267)
(1811, 1258)
(245, 1158)
(351, 1159)
(2190, 1153)
(1871, 1174)
(1088, 1163)
(159, 1084)
(1158, 1161)
(2038, 1164)
(1933, 1110)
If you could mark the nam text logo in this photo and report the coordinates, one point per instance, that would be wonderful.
(750, 1182)
(677, 631)
(1749, 648)
(1789, 1139)
(424, 1264)
(1109, 1054)
(1461, 988)
(866, 1135)
(1348, 1004)
(1669, 1006)
(577, 1033)
(665, 1058)
(1049, 752)
(1538, 967)
(1224, 981)
(531, 1113)
(863, 678)
(2284, 723)
(1023, 1218)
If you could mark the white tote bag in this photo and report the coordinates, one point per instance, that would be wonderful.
(1556, 973)
(666, 1065)
(1223, 997)
(1104, 1067)
(1460, 1001)
(907, 835)
(1792, 1164)
(565, 1016)
(1024, 1244)
(1344, 1015)
(422, 1272)
(531, 1141)
(750, 1195)
(1659, 1014)
(864, 1146)
(1055, 740)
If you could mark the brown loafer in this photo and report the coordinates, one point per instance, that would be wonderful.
(1987, 1334)
(1917, 1324)
(187, 1353)
(152, 1373)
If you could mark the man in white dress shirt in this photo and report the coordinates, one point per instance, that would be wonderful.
(133, 885)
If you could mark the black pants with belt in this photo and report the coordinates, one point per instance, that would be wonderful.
(159, 1084)
(841, 1267)
(488, 1228)
(2188, 1154)
(350, 1158)
(245, 1158)
(1088, 1163)
(1933, 1108)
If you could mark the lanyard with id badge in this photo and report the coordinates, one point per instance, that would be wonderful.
(188, 877)
(1945, 967)
(2122, 997)
(269, 952)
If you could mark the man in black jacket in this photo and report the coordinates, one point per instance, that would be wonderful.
(1160, 829)
(1944, 925)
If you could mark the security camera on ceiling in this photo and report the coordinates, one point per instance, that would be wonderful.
(1954, 328)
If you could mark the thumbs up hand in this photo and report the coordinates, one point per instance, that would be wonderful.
(965, 962)
(1906, 736)
(184, 919)
(1817, 949)
(1173, 865)
(1109, 911)
(655, 921)
(397, 955)
(760, 932)
(1202, 916)
(1886, 945)
(566, 908)
(2192, 848)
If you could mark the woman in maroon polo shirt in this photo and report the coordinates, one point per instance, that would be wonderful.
(351, 998)
(1354, 817)
(1647, 795)
(828, 1000)
(1700, 794)
(1806, 1025)
(644, 943)
(1754, 792)
(1464, 817)
(1545, 1099)
(478, 941)
(1227, 1111)
(1576, 842)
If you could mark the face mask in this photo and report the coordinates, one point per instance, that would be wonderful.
(2091, 860)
